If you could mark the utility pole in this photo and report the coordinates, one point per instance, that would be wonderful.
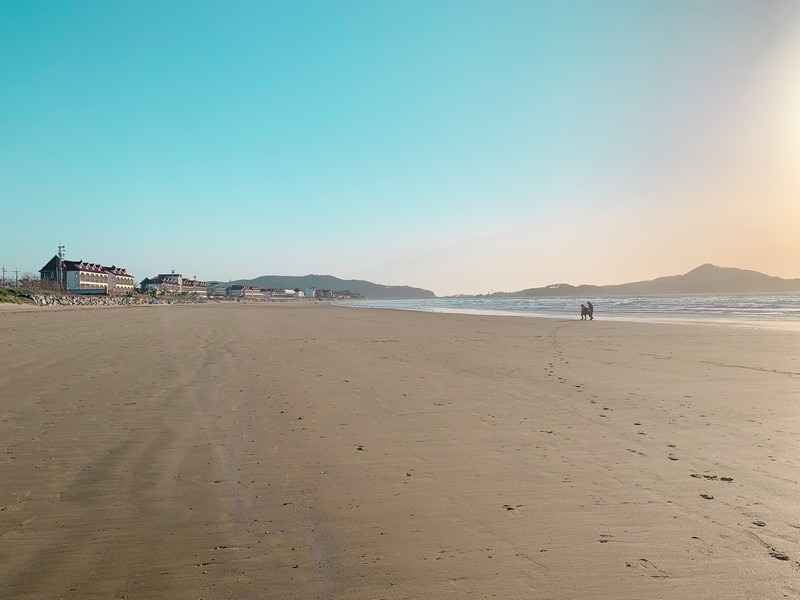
(4, 276)
(16, 278)
(60, 269)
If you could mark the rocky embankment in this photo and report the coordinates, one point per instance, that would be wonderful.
(53, 300)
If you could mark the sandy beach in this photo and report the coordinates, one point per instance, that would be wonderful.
(318, 452)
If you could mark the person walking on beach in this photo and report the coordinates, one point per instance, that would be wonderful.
(590, 310)
(584, 312)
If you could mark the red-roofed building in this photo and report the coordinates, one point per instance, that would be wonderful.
(81, 277)
(174, 283)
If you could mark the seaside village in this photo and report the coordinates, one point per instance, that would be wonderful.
(93, 280)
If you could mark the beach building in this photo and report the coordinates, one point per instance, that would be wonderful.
(216, 289)
(172, 284)
(284, 294)
(235, 291)
(162, 284)
(82, 277)
(245, 291)
(119, 280)
(193, 287)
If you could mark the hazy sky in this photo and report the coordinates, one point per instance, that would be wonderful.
(458, 146)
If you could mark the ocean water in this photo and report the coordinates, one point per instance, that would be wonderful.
(767, 310)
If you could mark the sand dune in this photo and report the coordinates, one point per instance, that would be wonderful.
(312, 451)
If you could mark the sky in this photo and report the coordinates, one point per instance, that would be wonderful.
(458, 146)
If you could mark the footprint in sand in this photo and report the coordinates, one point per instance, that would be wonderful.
(704, 548)
(649, 568)
(710, 477)
(773, 551)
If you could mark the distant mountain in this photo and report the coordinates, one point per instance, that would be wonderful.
(367, 289)
(706, 279)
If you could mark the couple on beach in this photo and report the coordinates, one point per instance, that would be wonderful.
(587, 310)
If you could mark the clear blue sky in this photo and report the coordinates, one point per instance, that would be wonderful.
(458, 146)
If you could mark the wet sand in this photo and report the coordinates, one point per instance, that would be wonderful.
(312, 451)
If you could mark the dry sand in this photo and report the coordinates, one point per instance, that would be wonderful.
(312, 451)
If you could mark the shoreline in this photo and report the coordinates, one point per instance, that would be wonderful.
(721, 322)
(753, 325)
(769, 325)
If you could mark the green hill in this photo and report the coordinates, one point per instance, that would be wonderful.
(366, 289)
(706, 279)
